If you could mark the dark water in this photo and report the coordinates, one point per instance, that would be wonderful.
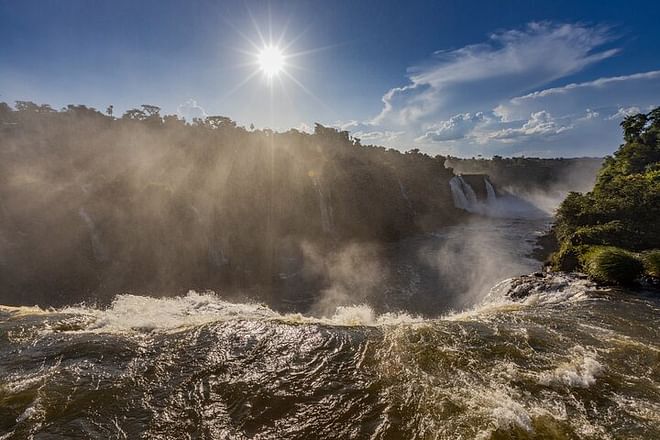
(569, 361)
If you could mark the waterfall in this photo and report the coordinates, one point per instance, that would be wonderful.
(490, 191)
(457, 193)
(466, 198)
(469, 192)
(100, 253)
(505, 205)
(404, 194)
(326, 211)
(463, 194)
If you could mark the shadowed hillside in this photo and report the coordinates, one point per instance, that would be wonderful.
(93, 205)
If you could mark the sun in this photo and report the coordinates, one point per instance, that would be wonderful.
(271, 60)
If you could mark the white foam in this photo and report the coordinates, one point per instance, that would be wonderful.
(580, 371)
(354, 315)
(131, 312)
(509, 413)
(32, 411)
(144, 313)
(363, 314)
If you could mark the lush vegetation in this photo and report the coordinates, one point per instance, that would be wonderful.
(609, 264)
(651, 261)
(622, 211)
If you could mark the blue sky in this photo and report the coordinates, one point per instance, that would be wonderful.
(548, 78)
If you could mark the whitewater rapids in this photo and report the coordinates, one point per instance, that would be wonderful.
(566, 361)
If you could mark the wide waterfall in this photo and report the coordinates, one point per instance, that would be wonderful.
(459, 193)
(466, 198)
(504, 205)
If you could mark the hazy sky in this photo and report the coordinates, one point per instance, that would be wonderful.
(547, 78)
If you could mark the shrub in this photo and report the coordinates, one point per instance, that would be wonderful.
(566, 258)
(611, 265)
(608, 233)
(652, 263)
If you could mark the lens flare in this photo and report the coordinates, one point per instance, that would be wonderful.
(271, 60)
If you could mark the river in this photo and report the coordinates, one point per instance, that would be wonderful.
(444, 352)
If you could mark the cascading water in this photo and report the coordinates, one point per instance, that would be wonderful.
(404, 193)
(491, 197)
(458, 193)
(504, 206)
(549, 357)
(469, 192)
(326, 211)
(464, 196)
(100, 253)
(567, 361)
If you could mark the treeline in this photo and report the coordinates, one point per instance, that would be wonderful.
(92, 204)
(613, 232)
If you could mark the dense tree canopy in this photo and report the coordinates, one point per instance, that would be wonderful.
(623, 210)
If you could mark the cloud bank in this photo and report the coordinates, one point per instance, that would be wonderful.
(493, 97)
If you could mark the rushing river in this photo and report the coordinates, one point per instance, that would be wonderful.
(548, 357)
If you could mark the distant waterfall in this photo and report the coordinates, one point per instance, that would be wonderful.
(490, 191)
(326, 211)
(505, 205)
(463, 194)
(100, 253)
(404, 193)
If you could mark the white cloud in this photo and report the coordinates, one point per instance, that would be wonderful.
(481, 128)
(378, 136)
(190, 110)
(305, 128)
(540, 125)
(369, 132)
(639, 89)
(622, 112)
(509, 63)
(590, 114)
(598, 83)
(489, 98)
(454, 128)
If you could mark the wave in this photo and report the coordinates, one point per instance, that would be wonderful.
(579, 371)
(130, 313)
(516, 365)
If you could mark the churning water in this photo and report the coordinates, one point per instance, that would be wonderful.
(567, 361)
(548, 357)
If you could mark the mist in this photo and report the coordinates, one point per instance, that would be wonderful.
(93, 206)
